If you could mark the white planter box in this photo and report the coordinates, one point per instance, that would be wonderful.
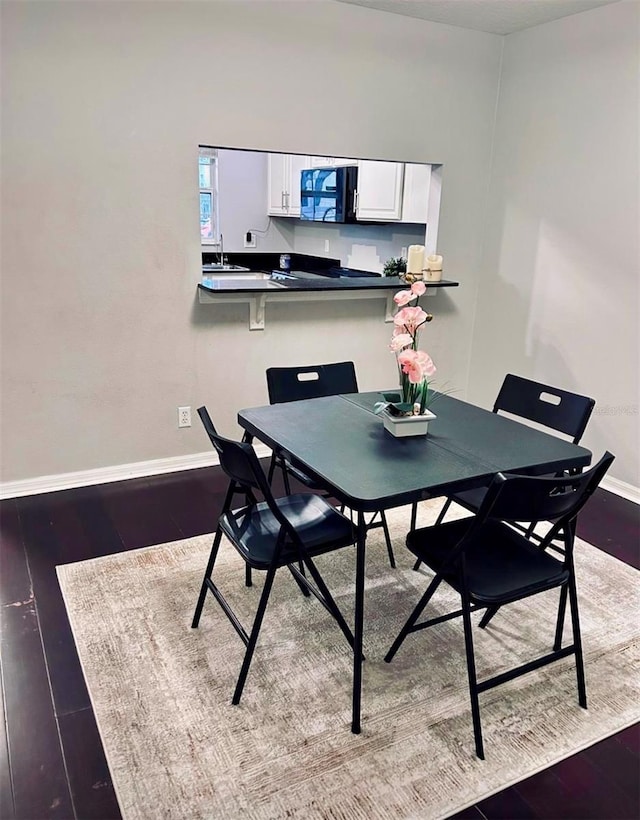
(401, 426)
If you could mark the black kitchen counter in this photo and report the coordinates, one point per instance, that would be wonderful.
(227, 284)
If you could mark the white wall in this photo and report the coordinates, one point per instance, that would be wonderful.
(361, 246)
(558, 300)
(242, 187)
(104, 105)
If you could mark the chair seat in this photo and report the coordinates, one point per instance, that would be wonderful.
(503, 567)
(470, 499)
(254, 530)
(299, 475)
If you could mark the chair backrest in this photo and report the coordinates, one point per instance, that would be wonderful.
(310, 381)
(557, 409)
(237, 459)
(241, 464)
(541, 498)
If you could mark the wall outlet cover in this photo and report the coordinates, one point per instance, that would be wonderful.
(184, 417)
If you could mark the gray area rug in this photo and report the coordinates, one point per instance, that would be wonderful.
(177, 748)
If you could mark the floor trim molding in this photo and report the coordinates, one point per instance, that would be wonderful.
(160, 466)
(119, 472)
(621, 488)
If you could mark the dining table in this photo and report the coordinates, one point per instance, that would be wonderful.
(342, 444)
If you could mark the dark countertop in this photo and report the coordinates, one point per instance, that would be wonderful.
(265, 285)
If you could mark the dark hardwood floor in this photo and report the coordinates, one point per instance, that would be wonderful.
(51, 759)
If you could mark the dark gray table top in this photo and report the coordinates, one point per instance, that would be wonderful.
(339, 441)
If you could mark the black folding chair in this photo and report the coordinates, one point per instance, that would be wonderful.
(490, 564)
(286, 384)
(554, 409)
(268, 535)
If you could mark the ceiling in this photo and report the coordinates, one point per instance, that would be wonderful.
(493, 16)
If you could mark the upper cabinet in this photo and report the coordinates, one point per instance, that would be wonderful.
(416, 193)
(379, 195)
(283, 183)
(386, 191)
(330, 162)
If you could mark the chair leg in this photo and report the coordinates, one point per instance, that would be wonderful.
(329, 601)
(275, 461)
(488, 615)
(387, 538)
(285, 478)
(412, 619)
(414, 516)
(207, 574)
(303, 588)
(253, 638)
(441, 515)
(272, 468)
(278, 461)
(473, 682)
(577, 641)
(385, 529)
(562, 606)
(443, 512)
(569, 536)
(247, 576)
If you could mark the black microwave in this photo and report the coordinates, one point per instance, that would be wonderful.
(328, 194)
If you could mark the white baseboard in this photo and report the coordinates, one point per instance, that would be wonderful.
(159, 466)
(621, 488)
(120, 472)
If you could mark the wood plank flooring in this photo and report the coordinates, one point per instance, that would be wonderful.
(51, 760)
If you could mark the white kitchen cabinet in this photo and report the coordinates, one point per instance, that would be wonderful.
(297, 164)
(277, 184)
(283, 183)
(415, 195)
(379, 196)
(330, 162)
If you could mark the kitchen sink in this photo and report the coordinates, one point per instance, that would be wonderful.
(219, 278)
(219, 268)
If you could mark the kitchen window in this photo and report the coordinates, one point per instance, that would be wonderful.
(208, 182)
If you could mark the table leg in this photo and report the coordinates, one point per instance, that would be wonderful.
(358, 618)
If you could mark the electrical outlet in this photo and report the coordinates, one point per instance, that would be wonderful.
(326, 246)
(184, 417)
(250, 240)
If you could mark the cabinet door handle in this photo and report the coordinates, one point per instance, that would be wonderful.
(282, 205)
(355, 200)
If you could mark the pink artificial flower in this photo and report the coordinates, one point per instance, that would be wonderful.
(418, 288)
(426, 363)
(403, 297)
(416, 364)
(400, 341)
(408, 361)
(410, 318)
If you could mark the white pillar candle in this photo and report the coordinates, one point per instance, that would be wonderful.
(433, 268)
(415, 259)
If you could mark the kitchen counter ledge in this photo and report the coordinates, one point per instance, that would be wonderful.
(257, 292)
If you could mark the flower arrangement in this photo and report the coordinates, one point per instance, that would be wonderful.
(415, 367)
